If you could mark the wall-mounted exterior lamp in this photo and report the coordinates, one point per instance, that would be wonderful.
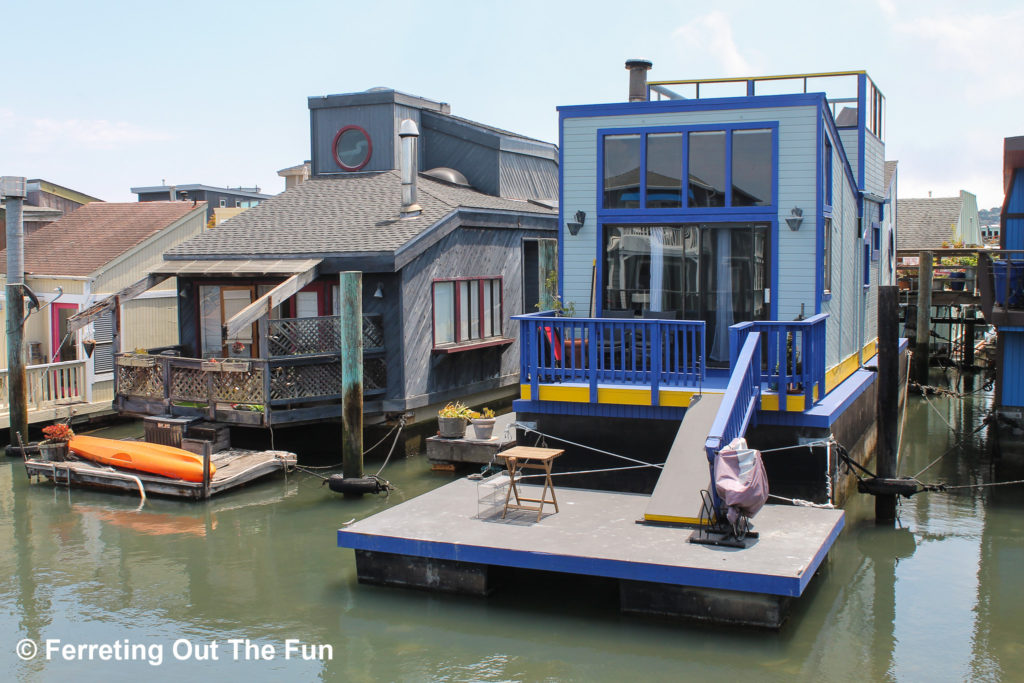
(795, 218)
(574, 228)
(379, 294)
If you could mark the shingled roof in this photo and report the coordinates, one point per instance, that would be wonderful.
(340, 215)
(926, 223)
(85, 240)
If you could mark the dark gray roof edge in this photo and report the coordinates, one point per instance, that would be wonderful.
(468, 217)
(388, 96)
(488, 136)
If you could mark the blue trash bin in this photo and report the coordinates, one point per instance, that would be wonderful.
(1016, 284)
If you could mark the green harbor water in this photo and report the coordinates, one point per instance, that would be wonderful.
(938, 599)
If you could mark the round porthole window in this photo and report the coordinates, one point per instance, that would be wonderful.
(352, 148)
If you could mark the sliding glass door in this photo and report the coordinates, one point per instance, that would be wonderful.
(715, 272)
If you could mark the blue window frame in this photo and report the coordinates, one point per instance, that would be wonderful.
(876, 239)
(726, 169)
(827, 166)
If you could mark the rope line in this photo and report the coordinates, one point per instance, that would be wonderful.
(527, 428)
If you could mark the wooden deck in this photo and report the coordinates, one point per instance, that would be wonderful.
(235, 467)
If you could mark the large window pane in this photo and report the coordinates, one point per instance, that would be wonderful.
(464, 310)
(444, 312)
(752, 167)
(664, 171)
(488, 308)
(496, 307)
(209, 314)
(706, 169)
(644, 268)
(622, 172)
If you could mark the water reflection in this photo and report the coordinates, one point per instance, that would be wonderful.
(935, 598)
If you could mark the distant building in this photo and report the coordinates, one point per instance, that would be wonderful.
(927, 222)
(295, 175)
(90, 253)
(44, 203)
(215, 197)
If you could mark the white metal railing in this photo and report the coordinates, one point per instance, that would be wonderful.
(49, 385)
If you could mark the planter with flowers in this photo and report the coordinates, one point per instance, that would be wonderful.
(55, 447)
(483, 424)
(452, 420)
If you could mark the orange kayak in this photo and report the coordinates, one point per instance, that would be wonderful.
(144, 457)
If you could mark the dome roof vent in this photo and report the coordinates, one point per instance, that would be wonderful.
(447, 175)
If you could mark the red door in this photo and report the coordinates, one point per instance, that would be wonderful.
(62, 344)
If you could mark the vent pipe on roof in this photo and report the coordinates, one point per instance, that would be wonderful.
(638, 79)
(408, 132)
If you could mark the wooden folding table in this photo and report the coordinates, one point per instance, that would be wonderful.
(528, 457)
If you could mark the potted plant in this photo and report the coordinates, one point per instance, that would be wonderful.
(483, 424)
(452, 420)
(55, 447)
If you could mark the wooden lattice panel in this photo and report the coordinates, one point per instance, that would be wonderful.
(239, 387)
(375, 375)
(140, 381)
(373, 332)
(189, 384)
(303, 336)
(301, 381)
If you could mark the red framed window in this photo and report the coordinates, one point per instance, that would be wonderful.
(466, 310)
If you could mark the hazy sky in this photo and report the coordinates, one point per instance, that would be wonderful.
(104, 96)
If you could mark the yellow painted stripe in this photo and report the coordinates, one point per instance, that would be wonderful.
(672, 519)
(794, 403)
(838, 374)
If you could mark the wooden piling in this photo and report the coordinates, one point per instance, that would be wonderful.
(350, 293)
(924, 313)
(888, 396)
(15, 300)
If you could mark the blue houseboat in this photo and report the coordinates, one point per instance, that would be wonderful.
(718, 238)
(1001, 281)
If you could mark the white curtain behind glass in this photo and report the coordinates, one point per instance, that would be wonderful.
(723, 298)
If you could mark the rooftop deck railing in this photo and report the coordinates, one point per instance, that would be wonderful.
(792, 355)
(654, 353)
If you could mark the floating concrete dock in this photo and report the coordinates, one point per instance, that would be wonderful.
(445, 540)
(234, 467)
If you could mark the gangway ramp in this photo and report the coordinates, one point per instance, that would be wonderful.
(676, 498)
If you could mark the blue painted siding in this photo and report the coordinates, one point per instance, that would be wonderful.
(1013, 368)
(796, 185)
(1014, 229)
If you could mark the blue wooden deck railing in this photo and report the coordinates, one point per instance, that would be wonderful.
(792, 358)
(655, 353)
(739, 405)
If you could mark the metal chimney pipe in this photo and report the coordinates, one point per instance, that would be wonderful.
(638, 79)
(408, 132)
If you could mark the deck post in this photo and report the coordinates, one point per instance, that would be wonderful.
(350, 293)
(888, 397)
(13, 190)
(924, 314)
(207, 456)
